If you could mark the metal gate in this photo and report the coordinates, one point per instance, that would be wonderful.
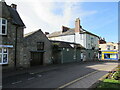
(36, 58)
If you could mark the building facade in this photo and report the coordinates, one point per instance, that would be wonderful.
(78, 35)
(65, 52)
(109, 51)
(11, 36)
(37, 49)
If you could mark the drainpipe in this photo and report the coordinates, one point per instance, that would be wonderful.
(15, 63)
(74, 48)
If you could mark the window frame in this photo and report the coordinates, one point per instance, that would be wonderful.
(82, 36)
(108, 47)
(2, 54)
(41, 47)
(114, 47)
(1, 25)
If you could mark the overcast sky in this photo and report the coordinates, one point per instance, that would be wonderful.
(100, 18)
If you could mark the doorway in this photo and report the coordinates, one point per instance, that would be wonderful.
(36, 58)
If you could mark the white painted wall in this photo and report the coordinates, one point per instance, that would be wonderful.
(80, 38)
(86, 40)
(67, 38)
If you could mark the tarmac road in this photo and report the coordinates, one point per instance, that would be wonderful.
(62, 76)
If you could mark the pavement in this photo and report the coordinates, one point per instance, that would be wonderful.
(71, 75)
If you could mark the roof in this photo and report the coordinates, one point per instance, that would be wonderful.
(60, 33)
(68, 32)
(30, 33)
(65, 44)
(85, 31)
(15, 16)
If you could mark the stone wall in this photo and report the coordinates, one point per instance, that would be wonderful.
(30, 44)
(9, 39)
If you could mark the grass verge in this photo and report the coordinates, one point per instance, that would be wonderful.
(109, 83)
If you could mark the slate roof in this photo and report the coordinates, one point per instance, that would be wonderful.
(30, 33)
(69, 32)
(65, 44)
(15, 16)
(60, 33)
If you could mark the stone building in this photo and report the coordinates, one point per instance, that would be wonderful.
(37, 49)
(11, 36)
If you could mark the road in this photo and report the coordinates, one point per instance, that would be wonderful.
(64, 76)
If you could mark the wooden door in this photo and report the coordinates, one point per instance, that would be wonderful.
(36, 58)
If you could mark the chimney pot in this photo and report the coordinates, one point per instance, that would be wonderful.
(46, 33)
(14, 6)
(2, 0)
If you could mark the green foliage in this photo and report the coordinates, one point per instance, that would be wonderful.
(116, 75)
(109, 83)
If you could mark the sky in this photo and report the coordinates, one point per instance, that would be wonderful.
(100, 18)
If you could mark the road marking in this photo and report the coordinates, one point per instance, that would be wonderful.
(17, 82)
(31, 78)
(67, 84)
(39, 75)
(31, 73)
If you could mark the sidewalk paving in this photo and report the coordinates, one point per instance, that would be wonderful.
(88, 81)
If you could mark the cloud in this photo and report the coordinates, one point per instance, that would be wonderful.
(44, 15)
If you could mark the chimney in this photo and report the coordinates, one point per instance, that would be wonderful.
(2, 0)
(14, 6)
(46, 33)
(77, 25)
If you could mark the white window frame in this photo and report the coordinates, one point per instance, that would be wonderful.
(2, 53)
(1, 24)
(81, 36)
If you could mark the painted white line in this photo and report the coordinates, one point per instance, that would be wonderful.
(17, 82)
(67, 84)
(31, 73)
(31, 78)
(39, 75)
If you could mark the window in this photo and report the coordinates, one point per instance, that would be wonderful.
(40, 45)
(108, 47)
(81, 36)
(3, 56)
(3, 26)
(88, 46)
(89, 37)
(89, 54)
(114, 47)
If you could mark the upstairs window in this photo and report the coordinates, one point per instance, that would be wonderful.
(108, 47)
(40, 46)
(3, 26)
(114, 47)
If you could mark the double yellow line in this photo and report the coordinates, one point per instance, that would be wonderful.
(67, 84)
